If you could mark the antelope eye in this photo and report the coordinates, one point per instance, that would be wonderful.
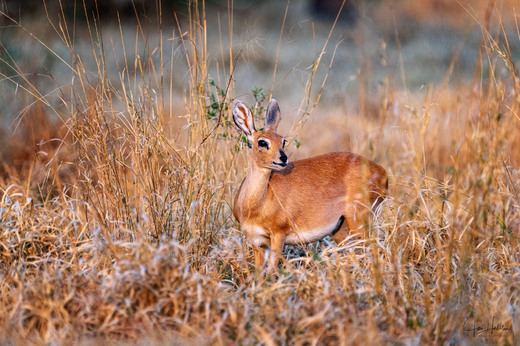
(283, 143)
(263, 144)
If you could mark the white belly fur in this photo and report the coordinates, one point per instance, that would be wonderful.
(308, 236)
(257, 236)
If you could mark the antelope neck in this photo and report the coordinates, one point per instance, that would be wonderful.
(255, 185)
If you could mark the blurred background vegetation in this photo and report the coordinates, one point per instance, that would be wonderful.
(376, 45)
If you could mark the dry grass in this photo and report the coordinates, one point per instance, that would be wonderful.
(121, 230)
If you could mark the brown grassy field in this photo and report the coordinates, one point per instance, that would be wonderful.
(116, 186)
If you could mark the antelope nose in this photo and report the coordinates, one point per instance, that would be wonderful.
(283, 157)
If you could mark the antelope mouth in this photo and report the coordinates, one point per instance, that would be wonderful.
(280, 164)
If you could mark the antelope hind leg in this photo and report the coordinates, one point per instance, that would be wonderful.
(356, 223)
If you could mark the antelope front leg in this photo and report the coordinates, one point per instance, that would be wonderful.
(277, 242)
(259, 257)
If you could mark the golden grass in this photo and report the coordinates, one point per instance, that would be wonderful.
(122, 232)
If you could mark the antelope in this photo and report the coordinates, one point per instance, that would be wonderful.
(281, 202)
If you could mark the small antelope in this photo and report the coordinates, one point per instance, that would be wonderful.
(281, 202)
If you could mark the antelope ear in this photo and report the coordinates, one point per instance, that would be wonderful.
(272, 116)
(244, 118)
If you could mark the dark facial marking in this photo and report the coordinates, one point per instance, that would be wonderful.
(283, 157)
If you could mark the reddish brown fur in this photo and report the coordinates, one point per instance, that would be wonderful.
(306, 198)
